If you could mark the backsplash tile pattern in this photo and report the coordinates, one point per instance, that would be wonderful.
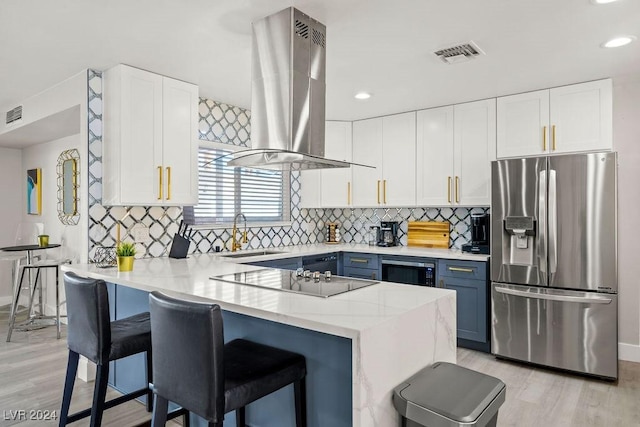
(355, 222)
(231, 125)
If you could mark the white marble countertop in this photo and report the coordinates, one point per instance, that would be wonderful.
(324, 248)
(346, 314)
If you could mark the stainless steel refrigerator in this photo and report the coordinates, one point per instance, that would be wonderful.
(554, 262)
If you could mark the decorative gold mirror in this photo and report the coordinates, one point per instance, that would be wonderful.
(68, 183)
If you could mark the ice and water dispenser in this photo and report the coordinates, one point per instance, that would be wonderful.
(522, 233)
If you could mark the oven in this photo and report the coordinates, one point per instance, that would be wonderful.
(409, 270)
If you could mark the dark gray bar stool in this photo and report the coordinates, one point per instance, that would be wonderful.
(195, 369)
(90, 333)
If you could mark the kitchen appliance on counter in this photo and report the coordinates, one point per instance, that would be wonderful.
(388, 233)
(318, 284)
(554, 262)
(479, 234)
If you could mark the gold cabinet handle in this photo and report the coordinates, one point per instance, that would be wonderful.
(168, 182)
(384, 191)
(544, 138)
(449, 189)
(359, 260)
(159, 182)
(457, 189)
(553, 137)
(378, 191)
(348, 193)
(460, 269)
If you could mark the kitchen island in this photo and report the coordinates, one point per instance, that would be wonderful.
(359, 345)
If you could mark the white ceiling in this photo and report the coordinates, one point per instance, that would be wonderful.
(381, 46)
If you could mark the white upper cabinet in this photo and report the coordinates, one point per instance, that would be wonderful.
(455, 147)
(367, 150)
(435, 156)
(336, 183)
(388, 144)
(150, 143)
(399, 159)
(330, 187)
(474, 143)
(560, 120)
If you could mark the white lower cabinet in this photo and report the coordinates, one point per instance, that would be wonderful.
(150, 143)
(560, 120)
(455, 147)
(388, 144)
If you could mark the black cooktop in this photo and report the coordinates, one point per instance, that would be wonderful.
(291, 281)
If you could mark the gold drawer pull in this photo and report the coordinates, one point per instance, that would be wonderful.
(168, 183)
(460, 269)
(160, 182)
(360, 260)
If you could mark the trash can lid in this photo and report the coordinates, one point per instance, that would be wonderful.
(453, 391)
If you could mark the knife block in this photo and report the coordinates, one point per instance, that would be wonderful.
(179, 247)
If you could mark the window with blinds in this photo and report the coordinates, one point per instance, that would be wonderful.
(261, 195)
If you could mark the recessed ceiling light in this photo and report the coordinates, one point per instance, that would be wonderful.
(602, 1)
(362, 95)
(619, 41)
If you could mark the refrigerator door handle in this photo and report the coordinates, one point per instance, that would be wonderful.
(596, 299)
(542, 222)
(553, 225)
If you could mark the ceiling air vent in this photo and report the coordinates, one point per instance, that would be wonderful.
(14, 115)
(459, 53)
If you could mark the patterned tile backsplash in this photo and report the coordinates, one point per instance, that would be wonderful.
(231, 125)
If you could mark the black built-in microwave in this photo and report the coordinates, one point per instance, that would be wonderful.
(409, 270)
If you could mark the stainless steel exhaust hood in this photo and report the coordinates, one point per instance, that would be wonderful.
(288, 94)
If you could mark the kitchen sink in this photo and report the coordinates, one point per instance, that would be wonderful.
(253, 253)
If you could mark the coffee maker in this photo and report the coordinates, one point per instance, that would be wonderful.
(479, 234)
(388, 233)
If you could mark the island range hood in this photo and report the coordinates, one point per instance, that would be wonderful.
(288, 95)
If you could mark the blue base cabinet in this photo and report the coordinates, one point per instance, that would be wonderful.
(361, 266)
(328, 357)
(469, 280)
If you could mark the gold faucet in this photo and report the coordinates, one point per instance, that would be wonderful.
(237, 244)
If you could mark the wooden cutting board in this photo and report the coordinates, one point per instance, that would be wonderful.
(429, 234)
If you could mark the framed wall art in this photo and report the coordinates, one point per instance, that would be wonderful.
(34, 191)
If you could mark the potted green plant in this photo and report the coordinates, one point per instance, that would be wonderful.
(125, 252)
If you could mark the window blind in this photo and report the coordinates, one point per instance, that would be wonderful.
(261, 195)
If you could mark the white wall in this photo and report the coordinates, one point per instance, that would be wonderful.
(11, 206)
(626, 137)
(45, 157)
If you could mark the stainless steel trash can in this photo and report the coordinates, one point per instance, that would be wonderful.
(448, 395)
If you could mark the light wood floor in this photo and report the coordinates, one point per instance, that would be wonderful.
(540, 397)
(32, 369)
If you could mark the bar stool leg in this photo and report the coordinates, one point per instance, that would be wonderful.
(99, 394)
(160, 409)
(58, 300)
(14, 305)
(300, 397)
(72, 369)
(149, 382)
(33, 291)
(240, 417)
